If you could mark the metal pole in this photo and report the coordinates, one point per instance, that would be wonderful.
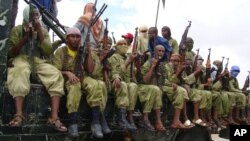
(157, 12)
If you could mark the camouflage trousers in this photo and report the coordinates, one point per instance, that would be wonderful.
(125, 95)
(96, 94)
(206, 100)
(230, 100)
(150, 97)
(177, 97)
(248, 100)
(18, 78)
(216, 100)
(237, 99)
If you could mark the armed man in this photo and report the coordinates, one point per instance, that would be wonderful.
(29, 44)
(157, 72)
(246, 91)
(225, 101)
(154, 39)
(84, 22)
(240, 98)
(125, 90)
(166, 33)
(67, 59)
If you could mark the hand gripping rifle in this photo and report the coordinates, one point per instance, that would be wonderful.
(50, 20)
(182, 46)
(134, 50)
(82, 50)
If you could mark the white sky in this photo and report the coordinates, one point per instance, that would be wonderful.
(222, 25)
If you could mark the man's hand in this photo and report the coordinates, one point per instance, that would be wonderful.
(155, 62)
(117, 83)
(225, 72)
(73, 79)
(180, 68)
(209, 82)
(198, 70)
(132, 57)
(174, 86)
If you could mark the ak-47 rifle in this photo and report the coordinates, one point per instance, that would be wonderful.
(113, 37)
(246, 86)
(82, 50)
(104, 61)
(50, 20)
(226, 66)
(225, 78)
(195, 60)
(208, 66)
(182, 46)
(134, 50)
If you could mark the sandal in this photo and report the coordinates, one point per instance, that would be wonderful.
(17, 121)
(179, 126)
(199, 122)
(57, 125)
(159, 127)
(188, 123)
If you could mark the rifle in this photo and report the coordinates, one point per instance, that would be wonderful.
(113, 37)
(195, 60)
(104, 61)
(32, 41)
(182, 46)
(134, 49)
(225, 78)
(226, 66)
(245, 88)
(208, 66)
(82, 52)
(51, 21)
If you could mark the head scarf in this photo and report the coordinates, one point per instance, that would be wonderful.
(73, 30)
(121, 49)
(96, 29)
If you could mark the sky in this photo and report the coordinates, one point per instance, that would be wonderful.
(222, 25)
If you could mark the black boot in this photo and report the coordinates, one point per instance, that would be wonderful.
(73, 127)
(131, 120)
(96, 128)
(105, 127)
(122, 121)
